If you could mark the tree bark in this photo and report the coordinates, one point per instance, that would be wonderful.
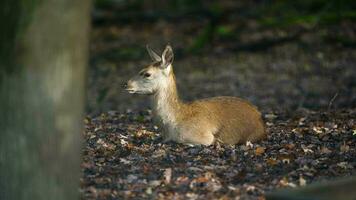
(43, 56)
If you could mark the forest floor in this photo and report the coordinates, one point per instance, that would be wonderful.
(124, 158)
(301, 77)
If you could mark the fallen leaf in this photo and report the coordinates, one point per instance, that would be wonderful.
(286, 156)
(124, 161)
(249, 144)
(131, 178)
(149, 190)
(271, 161)
(301, 121)
(343, 165)
(201, 179)
(325, 150)
(250, 188)
(344, 147)
(192, 195)
(270, 116)
(289, 146)
(194, 169)
(259, 151)
(306, 149)
(284, 182)
(154, 183)
(269, 124)
(182, 180)
(167, 175)
(302, 181)
(317, 130)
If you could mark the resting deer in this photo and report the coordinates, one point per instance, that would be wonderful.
(230, 120)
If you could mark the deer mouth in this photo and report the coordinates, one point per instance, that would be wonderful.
(131, 91)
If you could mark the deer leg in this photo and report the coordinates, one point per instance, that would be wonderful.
(197, 137)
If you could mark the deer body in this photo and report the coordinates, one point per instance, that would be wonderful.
(230, 120)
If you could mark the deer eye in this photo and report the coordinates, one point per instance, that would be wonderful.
(146, 75)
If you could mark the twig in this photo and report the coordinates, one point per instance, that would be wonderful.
(332, 100)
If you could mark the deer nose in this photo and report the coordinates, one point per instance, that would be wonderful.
(124, 85)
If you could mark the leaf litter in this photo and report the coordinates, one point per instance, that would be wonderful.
(124, 158)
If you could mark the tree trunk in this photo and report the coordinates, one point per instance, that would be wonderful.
(43, 56)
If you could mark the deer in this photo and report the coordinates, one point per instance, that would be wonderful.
(225, 119)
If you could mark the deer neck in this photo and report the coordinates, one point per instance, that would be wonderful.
(167, 103)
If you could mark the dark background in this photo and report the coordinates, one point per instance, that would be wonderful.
(281, 55)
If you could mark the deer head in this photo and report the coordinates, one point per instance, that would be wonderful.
(154, 76)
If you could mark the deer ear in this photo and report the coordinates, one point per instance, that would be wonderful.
(167, 56)
(153, 55)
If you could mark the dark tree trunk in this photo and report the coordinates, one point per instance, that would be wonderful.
(43, 56)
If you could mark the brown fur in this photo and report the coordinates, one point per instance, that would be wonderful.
(230, 120)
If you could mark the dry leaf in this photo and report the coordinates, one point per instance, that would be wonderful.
(271, 161)
(289, 146)
(259, 151)
(131, 178)
(269, 124)
(302, 181)
(201, 179)
(344, 148)
(306, 149)
(343, 165)
(249, 144)
(123, 160)
(325, 150)
(167, 175)
(182, 180)
(284, 182)
(318, 130)
(250, 188)
(270, 116)
(149, 190)
(154, 183)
